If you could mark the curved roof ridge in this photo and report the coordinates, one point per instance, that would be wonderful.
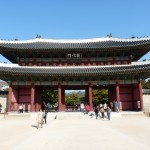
(90, 40)
(71, 67)
(8, 65)
(140, 62)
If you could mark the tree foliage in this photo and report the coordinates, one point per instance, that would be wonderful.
(74, 98)
(99, 96)
(50, 96)
(146, 84)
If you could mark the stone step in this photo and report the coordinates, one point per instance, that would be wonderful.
(15, 115)
(132, 113)
(71, 115)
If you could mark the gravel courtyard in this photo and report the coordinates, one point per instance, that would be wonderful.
(127, 133)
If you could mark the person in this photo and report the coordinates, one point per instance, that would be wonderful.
(116, 105)
(56, 106)
(108, 112)
(45, 116)
(20, 108)
(96, 111)
(0, 107)
(111, 106)
(39, 119)
(82, 107)
(102, 112)
(100, 105)
(48, 106)
(87, 108)
(105, 106)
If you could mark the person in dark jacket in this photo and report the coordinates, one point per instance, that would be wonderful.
(96, 111)
(45, 116)
(108, 110)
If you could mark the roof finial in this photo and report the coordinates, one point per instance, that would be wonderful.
(16, 39)
(132, 36)
(38, 36)
(109, 35)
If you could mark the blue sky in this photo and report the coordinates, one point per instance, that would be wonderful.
(74, 19)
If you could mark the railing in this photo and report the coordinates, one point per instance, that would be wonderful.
(3, 92)
(72, 108)
(146, 91)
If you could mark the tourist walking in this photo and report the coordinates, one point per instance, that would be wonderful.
(111, 106)
(96, 111)
(39, 119)
(116, 106)
(108, 112)
(105, 106)
(45, 116)
(20, 108)
(48, 107)
(87, 108)
(100, 105)
(82, 107)
(102, 112)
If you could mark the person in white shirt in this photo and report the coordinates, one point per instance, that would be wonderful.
(82, 107)
(39, 119)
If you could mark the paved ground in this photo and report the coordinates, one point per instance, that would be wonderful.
(128, 133)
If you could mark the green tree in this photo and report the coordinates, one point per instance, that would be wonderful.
(50, 96)
(146, 84)
(72, 99)
(99, 96)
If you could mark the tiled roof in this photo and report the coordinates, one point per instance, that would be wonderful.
(86, 71)
(100, 43)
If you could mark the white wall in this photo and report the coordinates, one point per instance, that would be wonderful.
(146, 102)
(3, 101)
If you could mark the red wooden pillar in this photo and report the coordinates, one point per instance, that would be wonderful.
(32, 97)
(86, 95)
(38, 97)
(118, 94)
(90, 96)
(63, 107)
(9, 97)
(140, 95)
(109, 95)
(59, 98)
(132, 89)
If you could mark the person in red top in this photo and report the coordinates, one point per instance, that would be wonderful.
(87, 108)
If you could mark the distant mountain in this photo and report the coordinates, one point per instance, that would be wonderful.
(79, 92)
